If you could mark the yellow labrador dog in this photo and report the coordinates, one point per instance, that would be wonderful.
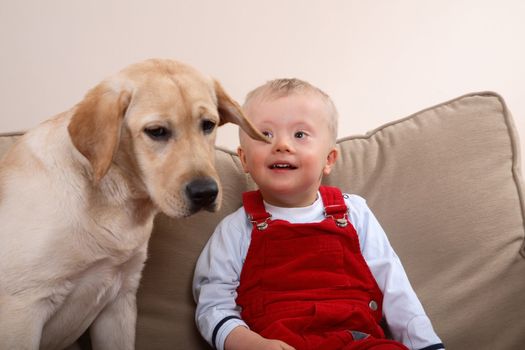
(78, 195)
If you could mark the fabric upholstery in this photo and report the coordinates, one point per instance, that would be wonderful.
(446, 185)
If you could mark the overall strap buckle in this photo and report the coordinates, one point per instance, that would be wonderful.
(338, 214)
(254, 206)
(334, 205)
(261, 224)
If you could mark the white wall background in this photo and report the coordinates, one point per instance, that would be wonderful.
(379, 60)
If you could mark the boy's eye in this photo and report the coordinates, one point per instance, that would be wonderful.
(300, 134)
(268, 134)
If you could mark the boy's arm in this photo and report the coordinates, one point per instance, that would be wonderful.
(216, 279)
(241, 338)
(215, 282)
(402, 309)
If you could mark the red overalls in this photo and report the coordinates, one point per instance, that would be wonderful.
(308, 284)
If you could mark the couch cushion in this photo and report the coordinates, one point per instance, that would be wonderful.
(7, 140)
(444, 183)
(165, 302)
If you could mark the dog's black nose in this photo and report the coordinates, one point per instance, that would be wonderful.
(202, 192)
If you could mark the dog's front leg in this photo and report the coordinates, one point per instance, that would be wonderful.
(114, 327)
(20, 325)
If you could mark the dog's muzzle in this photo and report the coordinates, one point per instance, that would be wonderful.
(202, 193)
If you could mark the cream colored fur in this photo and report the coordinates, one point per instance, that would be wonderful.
(78, 195)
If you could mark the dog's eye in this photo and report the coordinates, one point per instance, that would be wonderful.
(158, 133)
(208, 126)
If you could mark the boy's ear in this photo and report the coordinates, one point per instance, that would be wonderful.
(330, 161)
(242, 157)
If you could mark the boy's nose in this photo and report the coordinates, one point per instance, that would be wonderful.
(282, 144)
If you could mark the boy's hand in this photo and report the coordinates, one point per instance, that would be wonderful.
(241, 338)
(272, 344)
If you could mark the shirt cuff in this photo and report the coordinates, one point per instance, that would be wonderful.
(223, 329)
(421, 335)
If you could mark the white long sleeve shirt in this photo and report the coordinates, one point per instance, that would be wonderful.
(219, 268)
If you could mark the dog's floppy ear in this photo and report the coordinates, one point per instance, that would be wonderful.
(230, 112)
(95, 126)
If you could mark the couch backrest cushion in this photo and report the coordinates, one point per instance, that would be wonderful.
(165, 302)
(7, 140)
(446, 185)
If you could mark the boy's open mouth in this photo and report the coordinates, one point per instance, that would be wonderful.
(284, 166)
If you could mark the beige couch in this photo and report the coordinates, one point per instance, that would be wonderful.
(446, 185)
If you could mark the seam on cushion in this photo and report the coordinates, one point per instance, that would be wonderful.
(372, 132)
(511, 131)
(516, 163)
(226, 150)
(14, 133)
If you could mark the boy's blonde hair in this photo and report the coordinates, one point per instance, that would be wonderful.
(277, 88)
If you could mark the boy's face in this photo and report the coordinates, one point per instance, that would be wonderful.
(288, 170)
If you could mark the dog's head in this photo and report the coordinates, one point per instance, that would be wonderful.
(155, 123)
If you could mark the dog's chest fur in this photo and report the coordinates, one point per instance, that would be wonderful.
(73, 268)
(95, 288)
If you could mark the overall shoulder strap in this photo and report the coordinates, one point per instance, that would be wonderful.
(334, 205)
(254, 207)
